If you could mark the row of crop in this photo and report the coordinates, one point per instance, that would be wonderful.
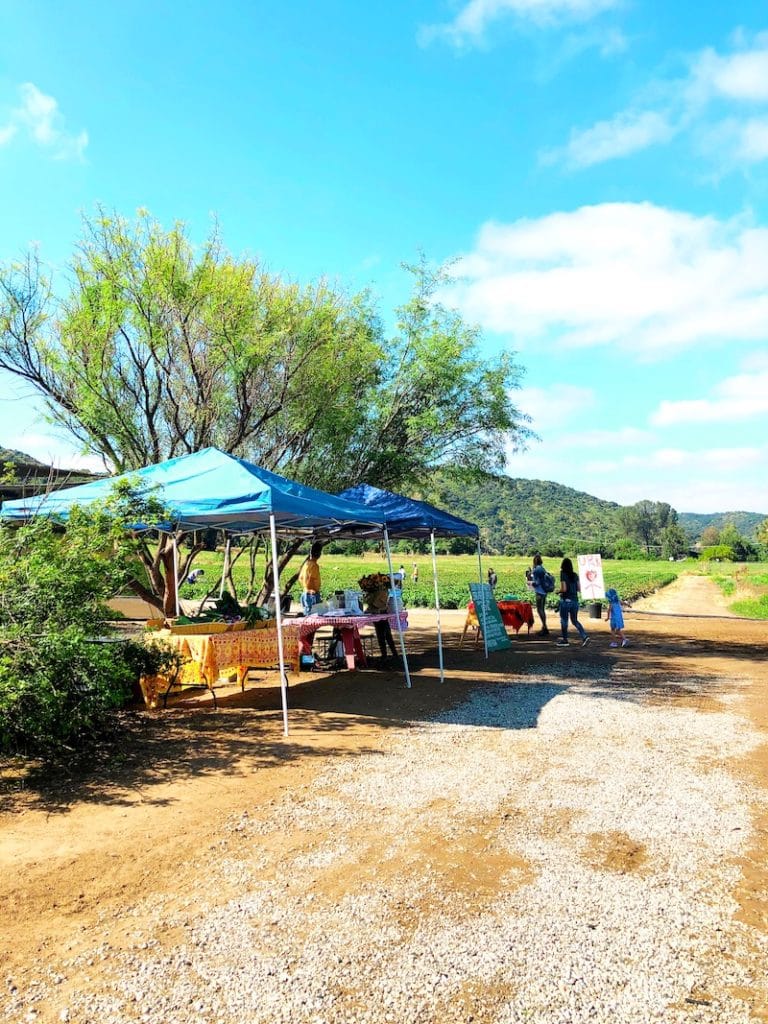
(455, 573)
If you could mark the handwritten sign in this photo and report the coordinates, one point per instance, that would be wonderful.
(591, 577)
(489, 617)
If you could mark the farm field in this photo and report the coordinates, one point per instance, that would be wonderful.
(455, 573)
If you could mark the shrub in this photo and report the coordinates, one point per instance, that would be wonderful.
(718, 553)
(60, 677)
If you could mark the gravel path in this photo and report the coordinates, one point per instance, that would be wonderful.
(557, 849)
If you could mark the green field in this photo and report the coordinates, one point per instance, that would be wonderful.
(455, 572)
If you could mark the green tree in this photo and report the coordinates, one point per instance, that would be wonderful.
(645, 520)
(674, 541)
(158, 350)
(710, 537)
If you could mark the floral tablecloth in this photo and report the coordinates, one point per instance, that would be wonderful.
(210, 654)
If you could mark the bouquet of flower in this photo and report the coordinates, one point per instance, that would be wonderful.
(375, 586)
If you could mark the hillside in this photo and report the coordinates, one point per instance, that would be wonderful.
(21, 475)
(517, 515)
(745, 522)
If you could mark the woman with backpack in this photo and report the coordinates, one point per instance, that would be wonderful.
(569, 603)
(543, 584)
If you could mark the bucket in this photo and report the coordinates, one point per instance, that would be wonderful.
(595, 610)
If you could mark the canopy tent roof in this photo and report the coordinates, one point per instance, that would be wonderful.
(407, 517)
(211, 489)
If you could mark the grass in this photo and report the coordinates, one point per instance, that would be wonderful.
(747, 583)
(455, 572)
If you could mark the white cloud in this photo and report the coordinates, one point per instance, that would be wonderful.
(38, 117)
(739, 76)
(649, 279)
(624, 134)
(473, 20)
(741, 397)
(715, 100)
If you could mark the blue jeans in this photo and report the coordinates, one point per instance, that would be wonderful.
(308, 601)
(569, 609)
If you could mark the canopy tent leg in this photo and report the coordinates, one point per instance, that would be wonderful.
(176, 571)
(481, 609)
(399, 623)
(437, 607)
(225, 566)
(279, 616)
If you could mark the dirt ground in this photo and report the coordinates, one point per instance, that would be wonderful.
(77, 848)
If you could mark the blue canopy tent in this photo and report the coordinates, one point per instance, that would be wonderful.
(408, 517)
(211, 489)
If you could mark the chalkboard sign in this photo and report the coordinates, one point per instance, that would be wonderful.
(489, 617)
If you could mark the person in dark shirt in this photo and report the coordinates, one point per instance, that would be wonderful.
(569, 603)
(537, 579)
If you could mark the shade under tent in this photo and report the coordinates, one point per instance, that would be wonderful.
(409, 518)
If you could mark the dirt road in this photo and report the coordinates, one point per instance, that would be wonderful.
(687, 595)
(553, 834)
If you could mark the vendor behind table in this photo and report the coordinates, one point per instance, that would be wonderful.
(309, 579)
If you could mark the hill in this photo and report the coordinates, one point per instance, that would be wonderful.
(520, 516)
(745, 522)
(22, 476)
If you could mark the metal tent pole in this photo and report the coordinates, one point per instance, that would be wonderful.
(482, 603)
(279, 616)
(437, 607)
(176, 572)
(225, 567)
(399, 623)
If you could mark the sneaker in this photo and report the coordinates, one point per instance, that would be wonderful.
(625, 643)
(613, 644)
(585, 641)
(544, 632)
(562, 643)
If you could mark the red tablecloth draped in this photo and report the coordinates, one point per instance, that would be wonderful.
(349, 627)
(513, 613)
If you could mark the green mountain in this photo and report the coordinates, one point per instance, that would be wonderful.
(745, 522)
(521, 516)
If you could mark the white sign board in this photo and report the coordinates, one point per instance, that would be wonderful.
(591, 577)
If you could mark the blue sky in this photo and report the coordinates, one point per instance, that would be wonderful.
(597, 168)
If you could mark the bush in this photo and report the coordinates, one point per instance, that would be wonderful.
(628, 550)
(718, 553)
(59, 676)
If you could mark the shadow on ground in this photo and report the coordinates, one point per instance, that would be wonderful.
(345, 714)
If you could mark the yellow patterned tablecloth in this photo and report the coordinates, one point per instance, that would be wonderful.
(209, 655)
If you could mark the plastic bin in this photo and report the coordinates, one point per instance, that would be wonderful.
(595, 609)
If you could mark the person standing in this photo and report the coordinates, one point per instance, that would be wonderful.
(493, 579)
(538, 576)
(569, 603)
(309, 579)
(615, 617)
